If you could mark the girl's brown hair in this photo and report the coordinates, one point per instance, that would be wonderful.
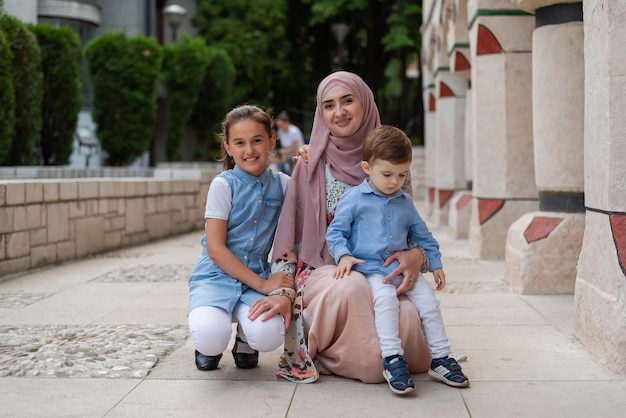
(387, 143)
(243, 112)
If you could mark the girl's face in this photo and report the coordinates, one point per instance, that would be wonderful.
(343, 112)
(249, 144)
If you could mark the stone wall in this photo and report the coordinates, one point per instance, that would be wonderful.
(48, 221)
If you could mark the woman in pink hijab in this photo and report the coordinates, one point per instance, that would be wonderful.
(333, 320)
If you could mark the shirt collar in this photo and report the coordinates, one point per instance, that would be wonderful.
(249, 178)
(366, 188)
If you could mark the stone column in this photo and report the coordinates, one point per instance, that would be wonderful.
(459, 213)
(600, 291)
(542, 247)
(450, 170)
(504, 180)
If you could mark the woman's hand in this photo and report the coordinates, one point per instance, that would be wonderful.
(410, 263)
(270, 306)
(303, 152)
(276, 281)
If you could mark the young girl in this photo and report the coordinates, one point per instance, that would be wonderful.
(242, 209)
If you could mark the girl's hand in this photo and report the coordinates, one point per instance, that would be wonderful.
(276, 281)
(410, 262)
(270, 306)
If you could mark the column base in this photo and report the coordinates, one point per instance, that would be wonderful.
(600, 294)
(490, 221)
(460, 215)
(542, 251)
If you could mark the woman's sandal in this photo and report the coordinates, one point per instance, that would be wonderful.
(244, 360)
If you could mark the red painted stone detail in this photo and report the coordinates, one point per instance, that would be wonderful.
(431, 194)
(431, 103)
(540, 227)
(618, 227)
(487, 208)
(445, 90)
(460, 62)
(444, 196)
(487, 42)
(463, 201)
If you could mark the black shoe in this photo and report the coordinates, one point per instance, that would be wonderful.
(243, 360)
(205, 363)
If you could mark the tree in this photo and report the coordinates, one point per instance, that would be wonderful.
(7, 97)
(28, 86)
(215, 98)
(184, 66)
(60, 59)
(253, 33)
(125, 73)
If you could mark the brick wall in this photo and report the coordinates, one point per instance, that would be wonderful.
(49, 221)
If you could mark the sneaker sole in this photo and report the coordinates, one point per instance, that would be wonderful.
(447, 381)
(388, 377)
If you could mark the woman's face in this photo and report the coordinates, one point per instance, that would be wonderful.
(343, 112)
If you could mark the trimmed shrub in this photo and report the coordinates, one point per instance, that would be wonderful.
(124, 72)
(28, 87)
(62, 99)
(184, 66)
(214, 100)
(7, 98)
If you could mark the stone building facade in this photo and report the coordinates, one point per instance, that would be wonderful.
(525, 157)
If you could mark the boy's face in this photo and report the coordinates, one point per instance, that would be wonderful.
(386, 177)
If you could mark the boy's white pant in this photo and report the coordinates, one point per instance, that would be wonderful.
(211, 329)
(386, 312)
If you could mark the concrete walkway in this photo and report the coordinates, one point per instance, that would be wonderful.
(107, 337)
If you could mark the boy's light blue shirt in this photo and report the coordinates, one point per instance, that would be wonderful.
(371, 227)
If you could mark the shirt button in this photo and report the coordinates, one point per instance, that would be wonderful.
(389, 218)
(390, 236)
(254, 221)
(245, 257)
(251, 239)
(259, 201)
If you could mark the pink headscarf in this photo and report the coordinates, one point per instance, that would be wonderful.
(303, 217)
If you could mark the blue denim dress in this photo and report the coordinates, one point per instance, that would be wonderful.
(256, 204)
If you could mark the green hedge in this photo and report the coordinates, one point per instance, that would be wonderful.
(62, 99)
(184, 65)
(28, 87)
(124, 72)
(7, 98)
(214, 100)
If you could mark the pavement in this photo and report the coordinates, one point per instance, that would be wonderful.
(107, 337)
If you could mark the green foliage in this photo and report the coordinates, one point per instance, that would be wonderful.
(184, 66)
(28, 87)
(253, 33)
(7, 97)
(215, 98)
(60, 60)
(124, 72)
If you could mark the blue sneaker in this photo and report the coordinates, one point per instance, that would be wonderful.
(396, 372)
(448, 371)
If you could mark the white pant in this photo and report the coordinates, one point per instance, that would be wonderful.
(211, 329)
(386, 311)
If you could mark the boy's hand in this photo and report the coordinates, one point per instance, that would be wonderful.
(345, 266)
(440, 278)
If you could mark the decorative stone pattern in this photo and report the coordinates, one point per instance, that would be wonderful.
(19, 300)
(105, 351)
(147, 273)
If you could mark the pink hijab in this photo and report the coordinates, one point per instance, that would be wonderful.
(303, 217)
